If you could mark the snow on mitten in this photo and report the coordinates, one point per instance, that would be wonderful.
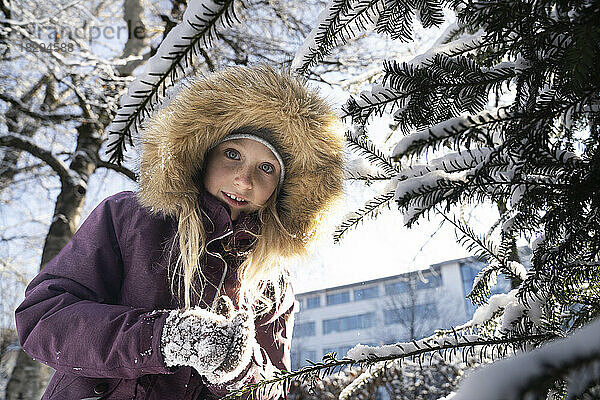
(240, 350)
(224, 306)
(217, 346)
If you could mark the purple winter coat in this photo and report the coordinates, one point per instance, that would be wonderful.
(96, 311)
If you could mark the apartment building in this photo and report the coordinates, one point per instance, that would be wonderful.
(386, 310)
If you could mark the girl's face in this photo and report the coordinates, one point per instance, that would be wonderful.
(242, 173)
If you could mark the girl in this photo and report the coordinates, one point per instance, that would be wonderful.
(176, 291)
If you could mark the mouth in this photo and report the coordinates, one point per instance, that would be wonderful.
(234, 199)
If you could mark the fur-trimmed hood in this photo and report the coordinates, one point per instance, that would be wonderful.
(303, 126)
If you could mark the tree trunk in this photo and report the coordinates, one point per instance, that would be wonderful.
(29, 378)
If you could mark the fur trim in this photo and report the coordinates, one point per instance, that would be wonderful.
(304, 126)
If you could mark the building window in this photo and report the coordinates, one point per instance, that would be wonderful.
(353, 322)
(299, 358)
(432, 281)
(313, 302)
(397, 287)
(366, 293)
(338, 298)
(300, 305)
(406, 315)
(304, 329)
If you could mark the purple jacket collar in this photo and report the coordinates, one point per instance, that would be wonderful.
(217, 220)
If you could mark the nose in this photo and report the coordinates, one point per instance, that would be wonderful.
(243, 178)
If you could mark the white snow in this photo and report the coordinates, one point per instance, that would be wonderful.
(495, 303)
(509, 378)
(306, 50)
(509, 303)
(359, 167)
(518, 269)
(362, 379)
(362, 352)
(447, 48)
(449, 163)
(379, 94)
(179, 37)
(358, 18)
(535, 309)
(428, 180)
(447, 129)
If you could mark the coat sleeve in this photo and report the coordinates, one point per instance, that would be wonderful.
(70, 318)
(274, 336)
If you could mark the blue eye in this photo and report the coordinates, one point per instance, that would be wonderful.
(232, 154)
(268, 168)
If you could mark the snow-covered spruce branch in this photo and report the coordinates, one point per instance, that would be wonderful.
(418, 195)
(450, 163)
(423, 140)
(174, 55)
(464, 45)
(361, 144)
(382, 98)
(366, 356)
(405, 86)
(484, 315)
(342, 20)
(377, 101)
(337, 23)
(370, 209)
(531, 374)
(458, 176)
(487, 278)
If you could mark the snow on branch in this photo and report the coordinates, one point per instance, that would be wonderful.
(521, 375)
(422, 140)
(418, 95)
(340, 21)
(375, 101)
(465, 44)
(507, 305)
(419, 194)
(174, 55)
(450, 163)
(367, 356)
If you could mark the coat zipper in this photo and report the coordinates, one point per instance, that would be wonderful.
(214, 302)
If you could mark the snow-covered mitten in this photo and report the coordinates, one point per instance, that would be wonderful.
(218, 346)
